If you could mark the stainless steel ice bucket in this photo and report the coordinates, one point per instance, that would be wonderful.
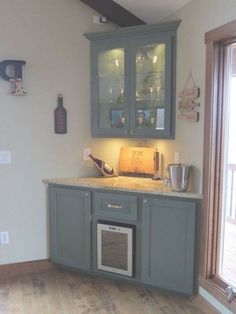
(179, 176)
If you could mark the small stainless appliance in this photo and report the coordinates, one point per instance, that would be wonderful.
(115, 247)
(179, 176)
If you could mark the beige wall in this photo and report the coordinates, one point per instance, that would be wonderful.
(48, 35)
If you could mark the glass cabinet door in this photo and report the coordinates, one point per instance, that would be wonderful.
(151, 97)
(112, 113)
(133, 73)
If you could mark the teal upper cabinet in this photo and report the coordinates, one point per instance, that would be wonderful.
(133, 81)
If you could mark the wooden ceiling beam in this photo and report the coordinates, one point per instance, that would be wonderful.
(114, 12)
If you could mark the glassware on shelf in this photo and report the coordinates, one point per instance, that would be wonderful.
(149, 85)
(143, 118)
(117, 118)
(152, 55)
(152, 119)
(120, 99)
(111, 76)
(140, 62)
(110, 92)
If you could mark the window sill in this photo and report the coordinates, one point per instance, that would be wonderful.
(216, 288)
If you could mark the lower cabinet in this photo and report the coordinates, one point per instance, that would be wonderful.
(165, 233)
(168, 244)
(70, 227)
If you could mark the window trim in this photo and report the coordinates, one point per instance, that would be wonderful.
(208, 278)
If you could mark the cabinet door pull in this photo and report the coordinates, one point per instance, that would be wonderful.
(114, 206)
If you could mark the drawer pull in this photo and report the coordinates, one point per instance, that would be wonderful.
(114, 206)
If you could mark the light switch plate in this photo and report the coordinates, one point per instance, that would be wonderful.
(5, 157)
(4, 237)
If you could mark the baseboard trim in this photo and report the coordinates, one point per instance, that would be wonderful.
(12, 270)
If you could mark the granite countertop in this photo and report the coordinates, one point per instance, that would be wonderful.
(120, 183)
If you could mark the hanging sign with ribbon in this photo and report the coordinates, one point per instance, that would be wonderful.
(188, 102)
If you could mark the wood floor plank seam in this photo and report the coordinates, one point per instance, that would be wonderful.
(34, 288)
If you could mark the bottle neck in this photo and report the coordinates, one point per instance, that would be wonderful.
(60, 101)
(91, 157)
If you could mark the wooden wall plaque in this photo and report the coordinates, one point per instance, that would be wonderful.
(136, 161)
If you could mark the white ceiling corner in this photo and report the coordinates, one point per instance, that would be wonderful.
(152, 11)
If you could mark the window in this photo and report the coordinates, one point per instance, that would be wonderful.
(227, 249)
(217, 271)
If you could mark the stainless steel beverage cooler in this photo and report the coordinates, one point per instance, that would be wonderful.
(115, 247)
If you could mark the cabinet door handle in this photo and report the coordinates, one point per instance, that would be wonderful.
(114, 206)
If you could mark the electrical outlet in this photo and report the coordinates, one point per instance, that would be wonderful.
(86, 153)
(5, 157)
(176, 157)
(4, 237)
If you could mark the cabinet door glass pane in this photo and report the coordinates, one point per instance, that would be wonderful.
(150, 86)
(111, 88)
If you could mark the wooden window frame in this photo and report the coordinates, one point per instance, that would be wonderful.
(212, 169)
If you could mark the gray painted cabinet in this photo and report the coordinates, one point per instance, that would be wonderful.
(70, 230)
(165, 233)
(168, 243)
(133, 81)
(116, 206)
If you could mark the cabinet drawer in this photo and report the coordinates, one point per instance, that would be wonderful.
(117, 206)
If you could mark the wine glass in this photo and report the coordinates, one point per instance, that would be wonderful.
(152, 55)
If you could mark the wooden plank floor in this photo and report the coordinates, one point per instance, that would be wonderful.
(59, 291)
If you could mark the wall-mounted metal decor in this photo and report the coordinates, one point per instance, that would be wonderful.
(11, 70)
(18, 89)
(60, 117)
(188, 102)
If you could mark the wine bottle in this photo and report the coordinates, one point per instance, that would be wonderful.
(102, 167)
(156, 175)
(60, 126)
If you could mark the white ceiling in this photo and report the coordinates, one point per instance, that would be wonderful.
(152, 11)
